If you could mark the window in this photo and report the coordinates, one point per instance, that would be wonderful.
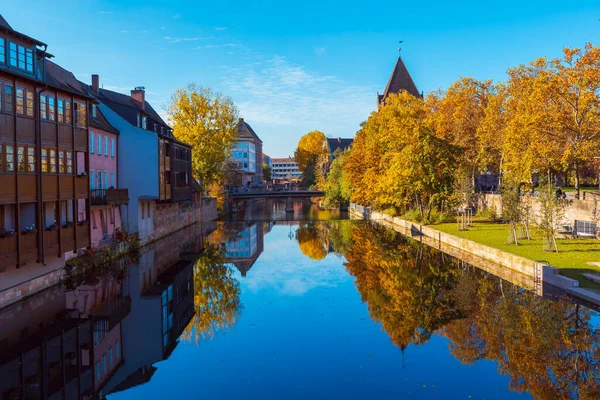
(44, 160)
(94, 110)
(69, 162)
(105, 179)
(51, 108)
(43, 106)
(143, 210)
(97, 371)
(99, 180)
(61, 110)
(92, 179)
(21, 56)
(29, 93)
(144, 121)
(67, 112)
(104, 363)
(112, 147)
(29, 60)
(21, 158)
(53, 161)
(138, 120)
(2, 52)
(13, 54)
(20, 101)
(61, 162)
(81, 115)
(30, 159)
(106, 145)
(10, 159)
(110, 357)
(118, 350)
(112, 179)
(92, 143)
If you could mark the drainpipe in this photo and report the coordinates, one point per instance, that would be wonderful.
(41, 250)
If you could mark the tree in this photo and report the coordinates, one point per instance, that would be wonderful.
(267, 172)
(511, 208)
(312, 242)
(551, 215)
(207, 121)
(310, 148)
(337, 185)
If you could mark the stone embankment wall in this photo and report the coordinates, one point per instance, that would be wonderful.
(172, 217)
(31, 287)
(518, 270)
(580, 210)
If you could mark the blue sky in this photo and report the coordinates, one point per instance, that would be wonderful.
(292, 67)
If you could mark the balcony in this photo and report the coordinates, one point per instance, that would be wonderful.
(102, 197)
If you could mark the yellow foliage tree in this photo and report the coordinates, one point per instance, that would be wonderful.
(311, 149)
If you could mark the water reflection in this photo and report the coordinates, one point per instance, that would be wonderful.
(302, 283)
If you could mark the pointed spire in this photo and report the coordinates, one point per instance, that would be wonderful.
(399, 80)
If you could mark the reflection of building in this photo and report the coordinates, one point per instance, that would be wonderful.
(243, 248)
(100, 338)
(246, 156)
(286, 169)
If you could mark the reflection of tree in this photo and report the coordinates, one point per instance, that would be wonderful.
(216, 296)
(548, 348)
(405, 285)
(311, 239)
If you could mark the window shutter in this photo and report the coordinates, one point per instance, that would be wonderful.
(99, 144)
(106, 180)
(112, 179)
(112, 147)
(106, 145)
(92, 178)
(92, 143)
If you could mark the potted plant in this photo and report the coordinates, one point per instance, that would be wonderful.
(30, 229)
(7, 233)
(68, 224)
(83, 173)
(83, 223)
(52, 227)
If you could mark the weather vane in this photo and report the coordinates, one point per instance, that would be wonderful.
(400, 48)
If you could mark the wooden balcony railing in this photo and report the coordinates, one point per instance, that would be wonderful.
(8, 251)
(100, 197)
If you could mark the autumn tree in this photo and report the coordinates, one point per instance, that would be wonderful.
(550, 215)
(337, 185)
(311, 240)
(312, 147)
(206, 120)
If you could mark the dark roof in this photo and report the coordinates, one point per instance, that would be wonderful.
(100, 122)
(5, 26)
(338, 143)
(245, 130)
(60, 78)
(127, 101)
(400, 80)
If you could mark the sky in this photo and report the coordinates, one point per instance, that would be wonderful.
(293, 67)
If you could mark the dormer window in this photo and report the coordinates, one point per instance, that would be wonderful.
(2, 51)
(21, 57)
(144, 121)
(94, 110)
(139, 120)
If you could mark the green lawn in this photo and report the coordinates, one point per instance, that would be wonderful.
(571, 259)
(583, 189)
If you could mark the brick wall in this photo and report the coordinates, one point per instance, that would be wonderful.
(29, 288)
(171, 217)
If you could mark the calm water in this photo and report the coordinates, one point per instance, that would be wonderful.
(269, 308)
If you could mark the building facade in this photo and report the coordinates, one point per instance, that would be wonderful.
(285, 169)
(246, 156)
(44, 164)
(154, 166)
(106, 195)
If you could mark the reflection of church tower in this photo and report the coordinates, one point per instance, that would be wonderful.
(400, 80)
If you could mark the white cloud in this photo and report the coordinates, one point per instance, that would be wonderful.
(176, 16)
(320, 51)
(220, 28)
(274, 91)
(124, 31)
(171, 39)
(106, 12)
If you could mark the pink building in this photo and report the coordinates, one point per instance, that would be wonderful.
(106, 196)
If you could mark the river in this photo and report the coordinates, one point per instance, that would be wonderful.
(275, 305)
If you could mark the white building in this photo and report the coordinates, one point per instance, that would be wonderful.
(285, 169)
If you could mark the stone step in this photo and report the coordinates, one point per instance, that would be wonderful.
(585, 294)
(592, 277)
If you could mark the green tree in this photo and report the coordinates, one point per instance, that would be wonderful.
(337, 185)
(267, 172)
(207, 121)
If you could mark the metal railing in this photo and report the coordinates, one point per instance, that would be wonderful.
(109, 196)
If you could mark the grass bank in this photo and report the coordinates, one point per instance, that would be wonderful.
(571, 260)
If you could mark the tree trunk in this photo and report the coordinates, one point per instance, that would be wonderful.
(577, 179)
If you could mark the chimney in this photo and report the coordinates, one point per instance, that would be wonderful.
(139, 96)
(95, 82)
(339, 140)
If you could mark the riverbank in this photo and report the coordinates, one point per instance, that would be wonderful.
(531, 274)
